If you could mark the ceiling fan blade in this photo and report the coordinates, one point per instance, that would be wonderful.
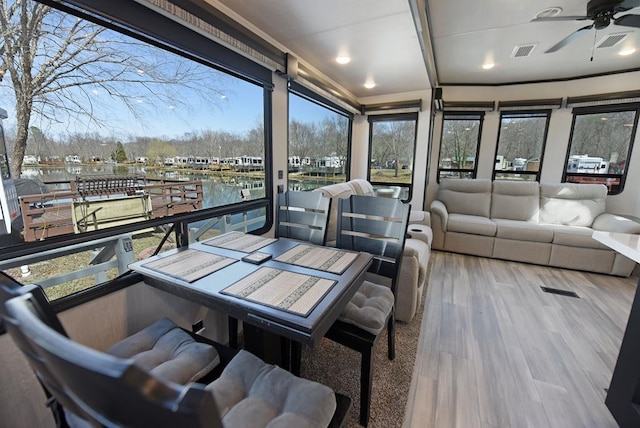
(571, 37)
(629, 4)
(560, 18)
(628, 21)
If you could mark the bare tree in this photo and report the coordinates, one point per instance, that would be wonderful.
(58, 65)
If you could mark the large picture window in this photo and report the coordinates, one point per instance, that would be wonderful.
(521, 141)
(125, 137)
(459, 144)
(392, 145)
(600, 146)
(319, 139)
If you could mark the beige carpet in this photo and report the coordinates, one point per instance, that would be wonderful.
(339, 367)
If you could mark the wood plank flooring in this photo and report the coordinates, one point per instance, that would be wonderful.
(497, 351)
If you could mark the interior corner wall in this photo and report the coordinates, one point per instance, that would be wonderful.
(359, 144)
(280, 129)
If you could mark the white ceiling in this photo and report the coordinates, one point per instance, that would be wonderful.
(384, 44)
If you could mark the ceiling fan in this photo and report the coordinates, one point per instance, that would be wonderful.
(601, 12)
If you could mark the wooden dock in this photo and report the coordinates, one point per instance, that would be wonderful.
(98, 202)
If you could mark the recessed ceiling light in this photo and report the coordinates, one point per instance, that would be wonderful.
(343, 59)
(627, 51)
(369, 84)
(488, 65)
(549, 12)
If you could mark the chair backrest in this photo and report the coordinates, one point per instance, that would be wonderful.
(377, 226)
(9, 289)
(303, 216)
(114, 391)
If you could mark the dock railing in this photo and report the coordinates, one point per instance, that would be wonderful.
(52, 214)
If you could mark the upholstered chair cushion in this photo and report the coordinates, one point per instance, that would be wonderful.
(167, 351)
(571, 204)
(251, 393)
(369, 307)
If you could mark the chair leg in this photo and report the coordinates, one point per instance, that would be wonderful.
(391, 337)
(296, 357)
(233, 333)
(366, 378)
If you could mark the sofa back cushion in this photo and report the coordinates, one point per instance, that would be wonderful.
(471, 197)
(515, 200)
(572, 204)
(335, 192)
(362, 187)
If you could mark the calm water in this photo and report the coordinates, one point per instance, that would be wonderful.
(216, 191)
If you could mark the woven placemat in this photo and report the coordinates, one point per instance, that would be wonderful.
(189, 265)
(287, 291)
(321, 258)
(239, 241)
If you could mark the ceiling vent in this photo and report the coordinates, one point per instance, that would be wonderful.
(549, 12)
(523, 50)
(611, 40)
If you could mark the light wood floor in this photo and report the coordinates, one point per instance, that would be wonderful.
(497, 351)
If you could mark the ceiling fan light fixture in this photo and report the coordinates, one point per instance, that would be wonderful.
(549, 12)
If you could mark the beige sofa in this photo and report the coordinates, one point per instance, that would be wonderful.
(413, 272)
(546, 224)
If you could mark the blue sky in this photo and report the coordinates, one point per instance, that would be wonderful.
(232, 105)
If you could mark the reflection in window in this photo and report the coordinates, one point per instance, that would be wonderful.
(601, 145)
(521, 142)
(459, 145)
(392, 144)
(318, 144)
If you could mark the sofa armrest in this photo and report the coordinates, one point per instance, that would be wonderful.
(439, 209)
(615, 223)
(420, 217)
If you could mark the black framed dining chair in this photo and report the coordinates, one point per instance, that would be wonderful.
(162, 348)
(303, 216)
(116, 392)
(64, 410)
(377, 226)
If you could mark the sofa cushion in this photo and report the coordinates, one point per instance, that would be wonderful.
(523, 230)
(471, 197)
(473, 224)
(362, 187)
(571, 204)
(515, 200)
(575, 236)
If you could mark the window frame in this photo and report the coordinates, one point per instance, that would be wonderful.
(606, 108)
(474, 171)
(395, 117)
(523, 113)
(307, 94)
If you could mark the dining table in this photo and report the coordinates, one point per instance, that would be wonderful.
(281, 289)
